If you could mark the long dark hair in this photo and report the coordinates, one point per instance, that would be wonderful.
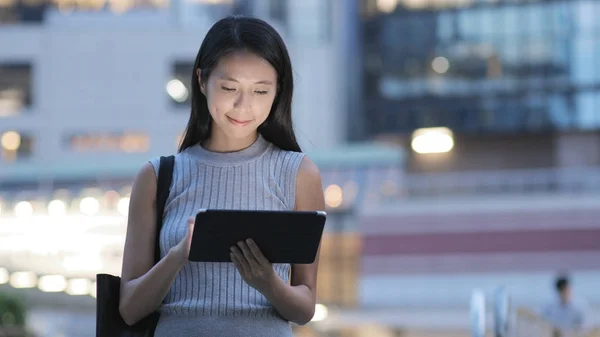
(236, 33)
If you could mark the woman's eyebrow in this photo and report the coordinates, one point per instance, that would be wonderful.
(229, 78)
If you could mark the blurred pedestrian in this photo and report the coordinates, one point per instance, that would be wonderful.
(566, 317)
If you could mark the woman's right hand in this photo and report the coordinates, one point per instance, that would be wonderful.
(182, 250)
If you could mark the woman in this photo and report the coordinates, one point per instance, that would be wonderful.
(239, 152)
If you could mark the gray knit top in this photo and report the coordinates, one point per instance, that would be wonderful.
(206, 298)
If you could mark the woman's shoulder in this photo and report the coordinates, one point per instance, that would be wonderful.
(299, 162)
(309, 187)
(284, 160)
(155, 161)
(308, 169)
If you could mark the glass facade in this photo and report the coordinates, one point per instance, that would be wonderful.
(481, 66)
(16, 87)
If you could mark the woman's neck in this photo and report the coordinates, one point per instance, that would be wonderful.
(220, 143)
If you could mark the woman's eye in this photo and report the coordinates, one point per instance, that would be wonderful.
(227, 89)
(261, 92)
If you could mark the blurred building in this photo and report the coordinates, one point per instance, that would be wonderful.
(497, 105)
(514, 78)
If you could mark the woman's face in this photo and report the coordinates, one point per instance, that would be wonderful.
(240, 92)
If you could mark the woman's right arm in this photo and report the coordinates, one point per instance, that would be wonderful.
(143, 284)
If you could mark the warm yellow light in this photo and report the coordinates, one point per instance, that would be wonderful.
(416, 4)
(57, 208)
(4, 276)
(52, 283)
(10, 140)
(177, 90)
(387, 6)
(120, 6)
(23, 209)
(333, 196)
(7, 3)
(23, 279)
(89, 206)
(321, 313)
(123, 206)
(92, 289)
(432, 140)
(80, 286)
(440, 65)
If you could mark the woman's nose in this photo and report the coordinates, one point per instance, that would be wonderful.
(243, 101)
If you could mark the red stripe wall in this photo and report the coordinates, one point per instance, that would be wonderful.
(483, 241)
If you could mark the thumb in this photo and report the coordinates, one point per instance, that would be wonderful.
(190, 222)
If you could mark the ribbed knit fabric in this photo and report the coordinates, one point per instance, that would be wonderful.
(211, 299)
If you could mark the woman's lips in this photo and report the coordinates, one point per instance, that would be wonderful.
(238, 122)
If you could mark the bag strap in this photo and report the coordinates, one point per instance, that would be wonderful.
(163, 187)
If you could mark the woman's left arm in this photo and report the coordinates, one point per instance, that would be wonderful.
(296, 301)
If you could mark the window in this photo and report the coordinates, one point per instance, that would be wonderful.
(109, 142)
(15, 88)
(7, 13)
(584, 63)
(513, 66)
(587, 14)
(586, 116)
(14, 11)
(15, 145)
(178, 87)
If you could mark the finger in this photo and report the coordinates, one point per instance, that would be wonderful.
(258, 255)
(248, 255)
(240, 258)
(238, 264)
(190, 232)
(190, 223)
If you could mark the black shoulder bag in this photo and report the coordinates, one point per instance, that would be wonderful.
(109, 322)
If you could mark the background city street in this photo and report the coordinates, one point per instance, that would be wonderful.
(458, 141)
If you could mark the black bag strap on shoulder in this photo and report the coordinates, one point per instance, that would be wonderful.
(163, 186)
(109, 322)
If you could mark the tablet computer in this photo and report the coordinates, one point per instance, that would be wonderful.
(282, 236)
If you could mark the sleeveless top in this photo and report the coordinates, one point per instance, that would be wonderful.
(210, 299)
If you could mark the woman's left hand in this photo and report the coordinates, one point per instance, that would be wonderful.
(253, 266)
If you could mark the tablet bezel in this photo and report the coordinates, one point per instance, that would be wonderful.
(215, 247)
